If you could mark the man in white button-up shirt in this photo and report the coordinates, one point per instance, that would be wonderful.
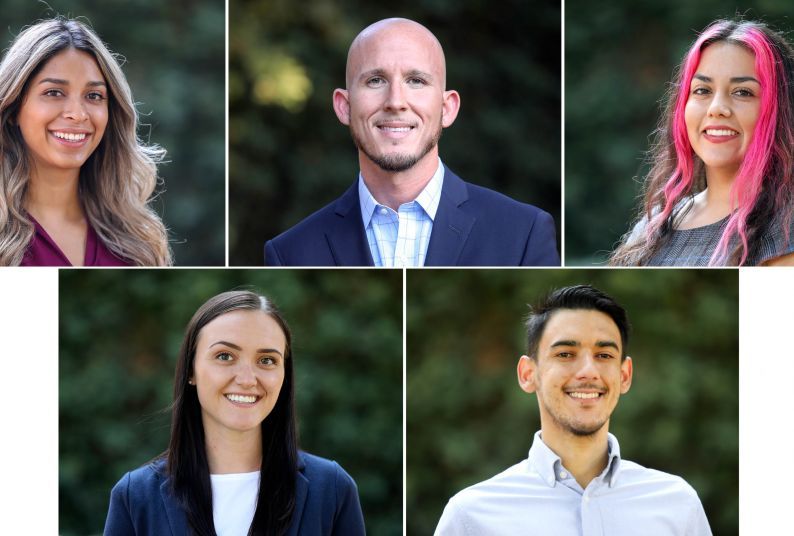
(574, 481)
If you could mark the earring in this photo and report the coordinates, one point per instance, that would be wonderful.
(191, 382)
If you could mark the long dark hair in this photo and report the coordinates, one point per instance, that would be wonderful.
(187, 456)
(763, 190)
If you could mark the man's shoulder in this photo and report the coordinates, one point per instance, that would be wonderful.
(636, 475)
(516, 475)
(310, 225)
(484, 195)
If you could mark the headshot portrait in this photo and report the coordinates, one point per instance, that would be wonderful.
(712, 180)
(634, 422)
(391, 190)
(93, 157)
(264, 413)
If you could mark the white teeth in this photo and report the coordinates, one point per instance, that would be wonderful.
(68, 136)
(720, 132)
(396, 129)
(585, 395)
(243, 399)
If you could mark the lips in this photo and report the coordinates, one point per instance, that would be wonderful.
(395, 129)
(70, 137)
(585, 394)
(244, 400)
(719, 134)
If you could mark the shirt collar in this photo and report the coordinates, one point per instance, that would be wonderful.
(546, 463)
(428, 198)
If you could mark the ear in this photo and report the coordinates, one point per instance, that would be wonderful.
(527, 370)
(341, 101)
(449, 107)
(626, 372)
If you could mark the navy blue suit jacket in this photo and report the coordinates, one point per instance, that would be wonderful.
(326, 502)
(474, 226)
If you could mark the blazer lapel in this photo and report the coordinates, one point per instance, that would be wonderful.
(175, 514)
(301, 492)
(452, 225)
(346, 236)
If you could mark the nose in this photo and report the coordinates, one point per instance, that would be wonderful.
(587, 367)
(245, 376)
(74, 109)
(395, 100)
(720, 106)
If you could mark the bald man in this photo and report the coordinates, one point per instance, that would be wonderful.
(407, 208)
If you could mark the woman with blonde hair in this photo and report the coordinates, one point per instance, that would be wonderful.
(75, 179)
(720, 190)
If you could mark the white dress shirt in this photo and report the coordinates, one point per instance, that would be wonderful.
(538, 496)
(400, 238)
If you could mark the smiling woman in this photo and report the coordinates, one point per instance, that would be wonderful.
(721, 187)
(75, 180)
(232, 465)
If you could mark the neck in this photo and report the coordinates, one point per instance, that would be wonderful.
(584, 456)
(234, 452)
(52, 197)
(392, 188)
(718, 187)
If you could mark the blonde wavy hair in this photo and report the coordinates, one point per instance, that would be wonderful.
(118, 179)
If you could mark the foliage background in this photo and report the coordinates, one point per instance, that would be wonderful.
(175, 54)
(120, 332)
(619, 59)
(289, 155)
(468, 420)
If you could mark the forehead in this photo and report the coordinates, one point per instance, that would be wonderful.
(71, 63)
(582, 326)
(245, 328)
(400, 46)
(727, 58)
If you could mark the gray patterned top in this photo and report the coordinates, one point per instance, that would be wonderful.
(694, 247)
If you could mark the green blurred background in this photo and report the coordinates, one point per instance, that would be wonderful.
(619, 60)
(175, 54)
(468, 419)
(289, 155)
(120, 333)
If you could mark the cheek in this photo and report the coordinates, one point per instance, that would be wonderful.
(100, 120)
(692, 117)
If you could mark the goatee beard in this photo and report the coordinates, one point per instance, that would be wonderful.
(395, 163)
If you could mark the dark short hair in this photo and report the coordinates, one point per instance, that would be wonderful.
(583, 297)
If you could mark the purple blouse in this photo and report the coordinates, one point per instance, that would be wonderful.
(43, 251)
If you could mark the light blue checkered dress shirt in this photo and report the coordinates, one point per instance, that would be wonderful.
(400, 238)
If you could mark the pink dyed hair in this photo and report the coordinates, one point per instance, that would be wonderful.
(748, 183)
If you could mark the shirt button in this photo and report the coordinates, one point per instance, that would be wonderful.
(563, 474)
(383, 211)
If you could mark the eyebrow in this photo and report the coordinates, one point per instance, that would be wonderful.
(239, 349)
(734, 80)
(577, 344)
(62, 82)
(409, 74)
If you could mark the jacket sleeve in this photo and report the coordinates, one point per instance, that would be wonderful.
(119, 522)
(349, 517)
(271, 255)
(541, 249)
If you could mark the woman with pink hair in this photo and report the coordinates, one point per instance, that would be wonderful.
(720, 191)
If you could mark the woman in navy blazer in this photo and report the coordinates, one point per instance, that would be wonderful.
(234, 414)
